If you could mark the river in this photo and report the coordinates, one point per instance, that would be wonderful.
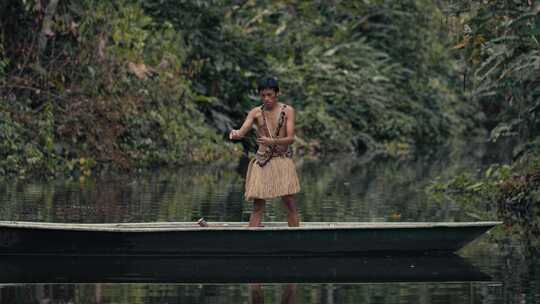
(345, 188)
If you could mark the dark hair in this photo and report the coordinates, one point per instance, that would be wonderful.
(267, 83)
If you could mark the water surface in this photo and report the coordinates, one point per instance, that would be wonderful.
(345, 188)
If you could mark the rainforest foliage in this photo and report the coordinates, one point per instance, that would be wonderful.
(89, 85)
(499, 42)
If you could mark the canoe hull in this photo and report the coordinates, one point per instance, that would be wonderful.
(219, 242)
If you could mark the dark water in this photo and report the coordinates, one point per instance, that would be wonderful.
(494, 269)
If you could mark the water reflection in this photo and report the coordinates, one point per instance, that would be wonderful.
(422, 293)
(288, 295)
(344, 189)
(166, 280)
(52, 269)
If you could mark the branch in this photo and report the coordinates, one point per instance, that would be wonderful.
(535, 6)
(34, 89)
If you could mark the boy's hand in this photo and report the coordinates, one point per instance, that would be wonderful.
(234, 135)
(265, 140)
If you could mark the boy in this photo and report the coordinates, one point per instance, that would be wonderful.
(272, 173)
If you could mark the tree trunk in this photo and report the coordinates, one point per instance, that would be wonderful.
(46, 31)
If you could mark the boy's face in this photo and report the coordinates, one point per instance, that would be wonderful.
(268, 97)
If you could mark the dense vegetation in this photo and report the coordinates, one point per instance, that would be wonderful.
(90, 85)
(501, 49)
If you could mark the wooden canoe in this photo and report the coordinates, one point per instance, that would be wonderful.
(275, 239)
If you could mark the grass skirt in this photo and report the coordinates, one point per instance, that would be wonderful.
(277, 178)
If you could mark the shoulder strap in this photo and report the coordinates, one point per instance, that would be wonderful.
(281, 119)
(266, 129)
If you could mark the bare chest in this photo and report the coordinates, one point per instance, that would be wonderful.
(270, 123)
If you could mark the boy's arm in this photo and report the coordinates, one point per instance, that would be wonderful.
(246, 126)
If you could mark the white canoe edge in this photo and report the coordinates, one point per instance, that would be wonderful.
(220, 226)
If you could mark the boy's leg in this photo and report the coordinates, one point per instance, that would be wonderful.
(292, 211)
(257, 213)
